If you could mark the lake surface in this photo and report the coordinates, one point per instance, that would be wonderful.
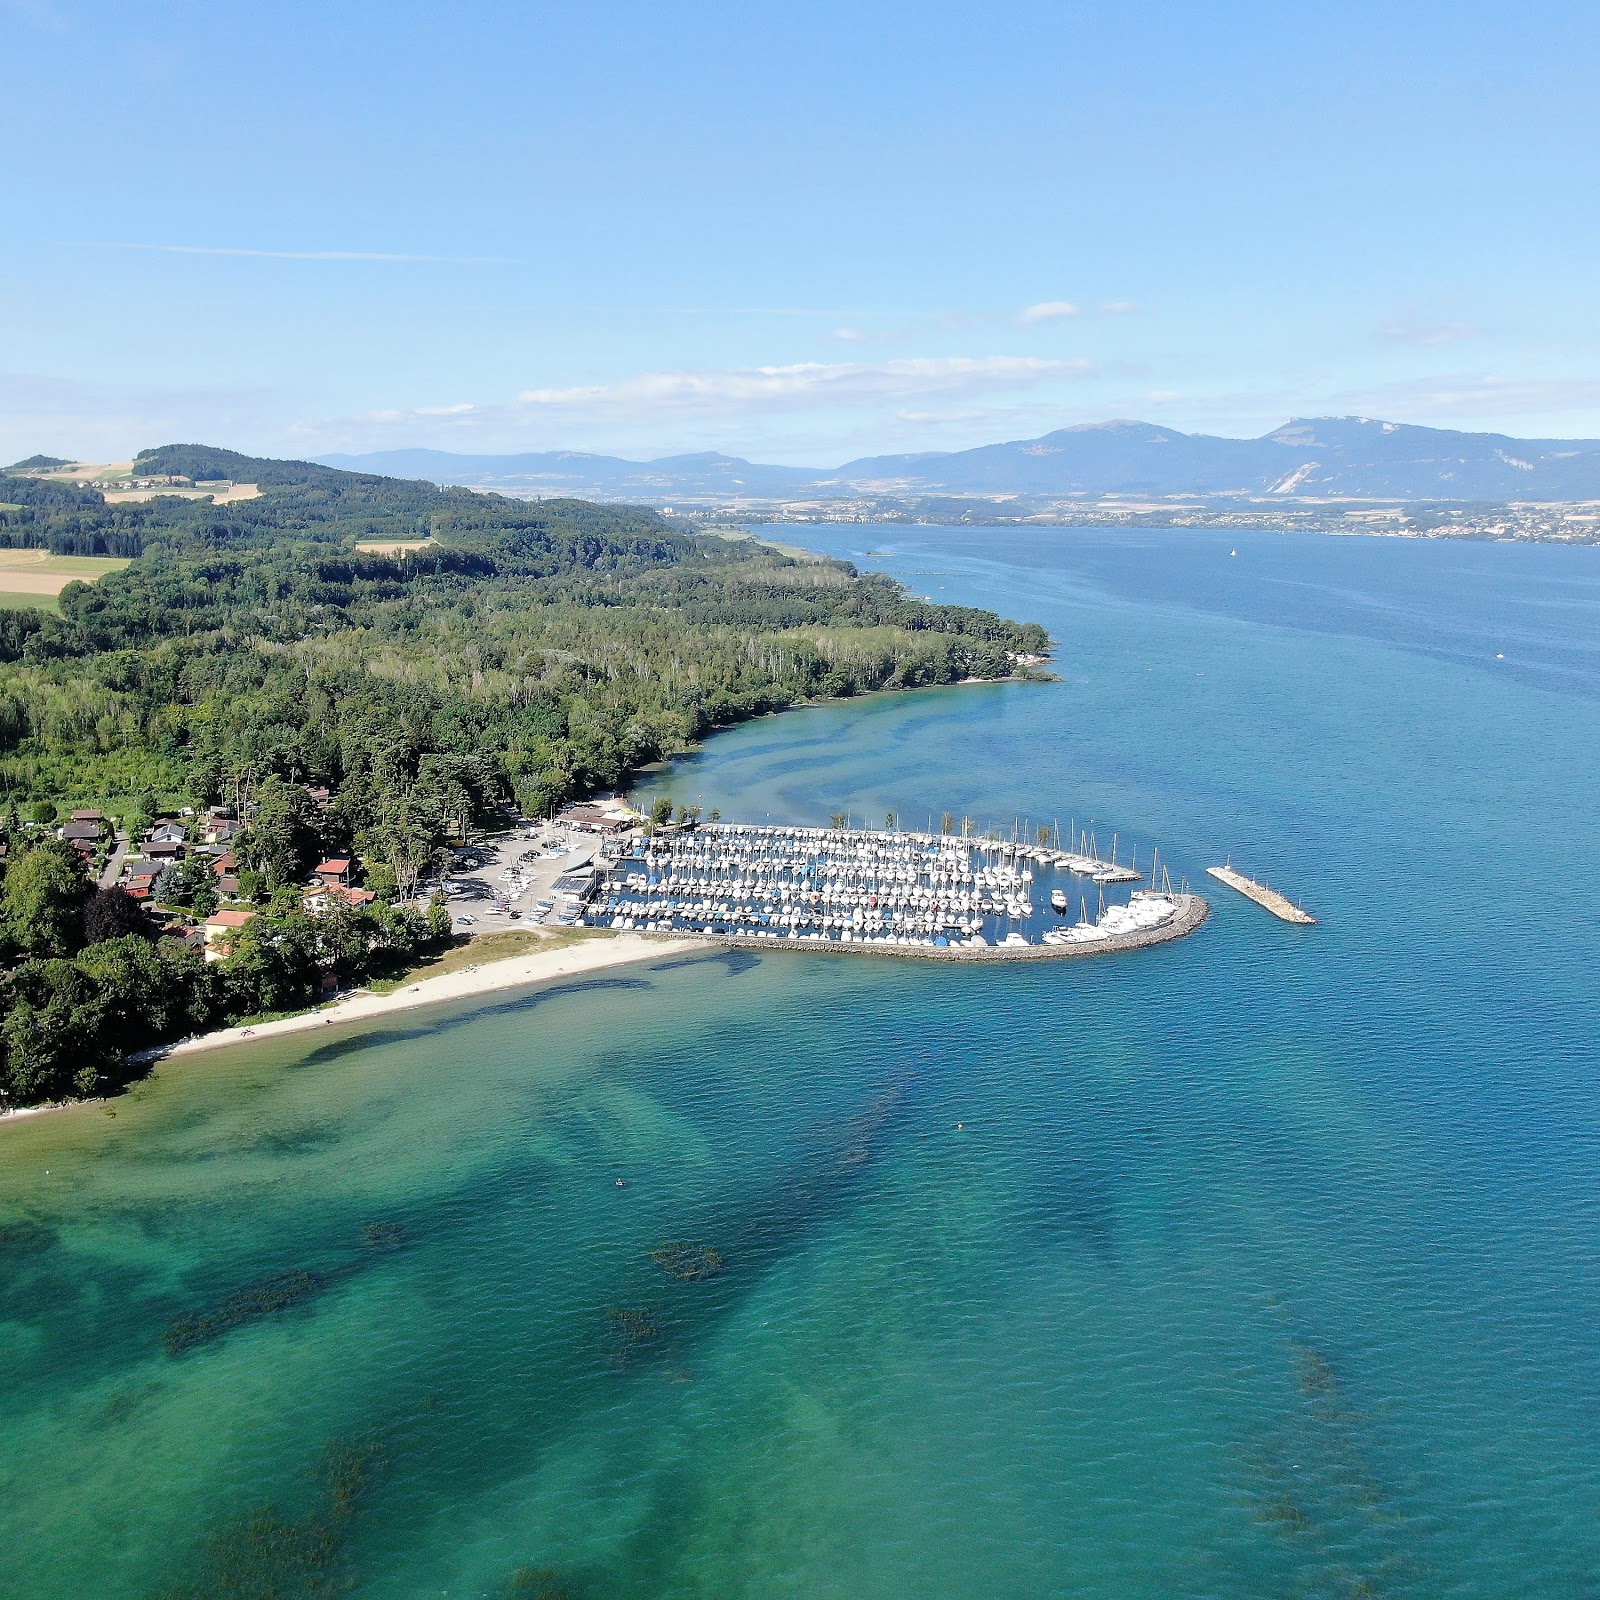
(1263, 1264)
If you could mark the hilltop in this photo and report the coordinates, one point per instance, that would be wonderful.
(1307, 458)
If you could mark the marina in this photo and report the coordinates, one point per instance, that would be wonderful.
(845, 889)
(1279, 905)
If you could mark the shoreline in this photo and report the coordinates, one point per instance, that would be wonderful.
(511, 972)
(596, 954)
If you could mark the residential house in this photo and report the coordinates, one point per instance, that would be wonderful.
(334, 894)
(333, 873)
(221, 929)
(220, 826)
(86, 832)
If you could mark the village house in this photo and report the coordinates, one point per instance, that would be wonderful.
(221, 928)
(337, 894)
(333, 873)
(220, 826)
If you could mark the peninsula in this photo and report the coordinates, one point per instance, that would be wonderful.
(238, 768)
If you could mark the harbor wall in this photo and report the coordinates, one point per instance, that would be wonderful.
(1193, 909)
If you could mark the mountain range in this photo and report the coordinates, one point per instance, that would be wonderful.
(1308, 458)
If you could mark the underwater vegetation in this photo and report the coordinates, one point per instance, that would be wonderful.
(281, 1292)
(686, 1262)
(631, 1327)
(268, 1556)
(536, 1583)
(1310, 1481)
(384, 1235)
(25, 1237)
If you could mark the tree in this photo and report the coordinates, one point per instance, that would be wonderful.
(282, 838)
(381, 881)
(889, 820)
(144, 995)
(112, 914)
(44, 898)
(661, 811)
(438, 919)
(44, 812)
(53, 1034)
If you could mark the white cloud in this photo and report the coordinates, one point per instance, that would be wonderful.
(1048, 311)
(851, 336)
(1118, 308)
(771, 408)
(1427, 335)
(1478, 397)
(804, 385)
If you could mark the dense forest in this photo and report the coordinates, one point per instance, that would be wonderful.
(523, 655)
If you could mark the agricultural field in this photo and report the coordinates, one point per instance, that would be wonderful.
(35, 577)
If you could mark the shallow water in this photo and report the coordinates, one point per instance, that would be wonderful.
(1261, 1264)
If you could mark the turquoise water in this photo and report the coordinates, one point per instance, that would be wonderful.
(1262, 1264)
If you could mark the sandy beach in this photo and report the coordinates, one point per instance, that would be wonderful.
(591, 955)
(539, 966)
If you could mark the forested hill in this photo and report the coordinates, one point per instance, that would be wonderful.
(522, 654)
(366, 705)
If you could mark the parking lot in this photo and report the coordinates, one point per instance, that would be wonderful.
(509, 881)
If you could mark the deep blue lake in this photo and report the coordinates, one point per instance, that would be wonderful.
(1262, 1264)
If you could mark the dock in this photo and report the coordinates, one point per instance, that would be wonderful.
(1279, 905)
(943, 895)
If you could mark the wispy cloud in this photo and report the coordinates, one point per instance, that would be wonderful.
(1422, 335)
(1456, 396)
(1048, 311)
(845, 396)
(298, 255)
(851, 336)
(1117, 308)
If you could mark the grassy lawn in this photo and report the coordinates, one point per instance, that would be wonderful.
(485, 948)
(22, 602)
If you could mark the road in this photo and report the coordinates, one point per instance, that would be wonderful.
(113, 868)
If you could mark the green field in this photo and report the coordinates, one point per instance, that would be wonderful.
(35, 577)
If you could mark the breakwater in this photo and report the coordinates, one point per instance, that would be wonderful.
(1191, 911)
(1280, 905)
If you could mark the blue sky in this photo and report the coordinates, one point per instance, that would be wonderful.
(799, 232)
